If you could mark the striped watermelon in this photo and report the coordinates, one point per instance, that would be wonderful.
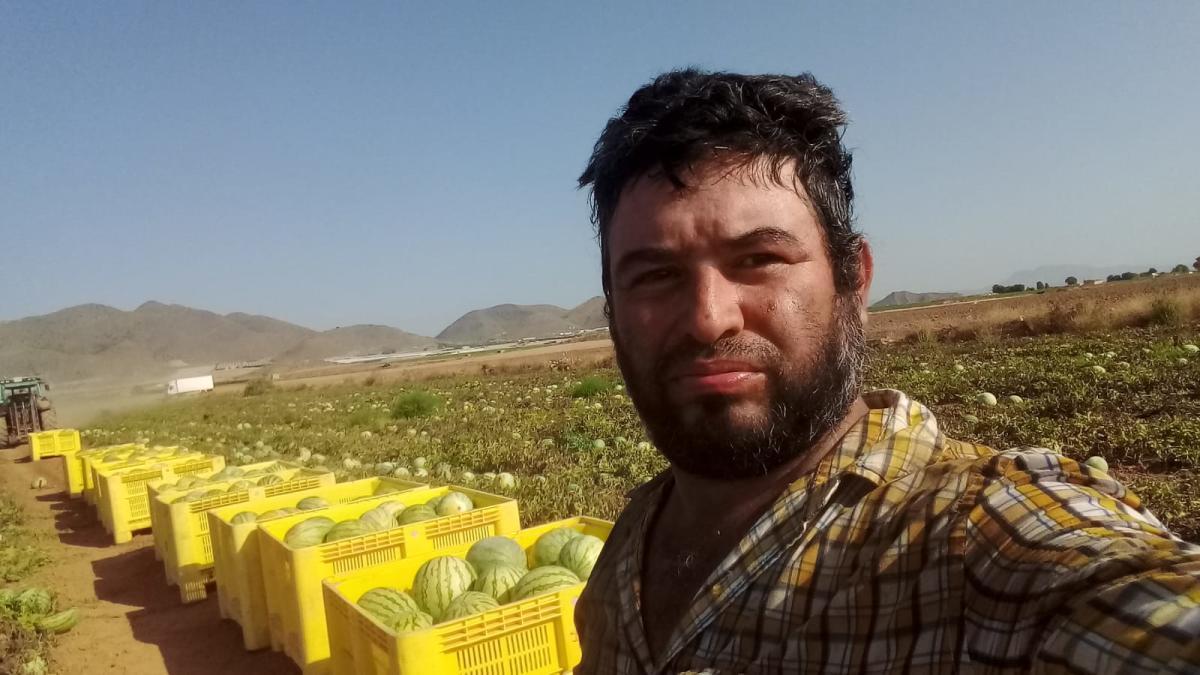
(244, 517)
(58, 623)
(384, 603)
(453, 504)
(379, 520)
(542, 580)
(439, 581)
(496, 550)
(405, 622)
(274, 513)
(310, 503)
(270, 479)
(347, 529)
(467, 604)
(394, 508)
(238, 486)
(309, 532)
(497, 579)
(579, 555)
(209, 494)
(549, 545)
(415, 514)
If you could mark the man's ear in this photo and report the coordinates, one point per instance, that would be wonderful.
(866, 272)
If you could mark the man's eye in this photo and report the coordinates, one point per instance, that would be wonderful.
(760, 259)
(652, 276)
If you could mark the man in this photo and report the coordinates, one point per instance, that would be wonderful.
(804, 526)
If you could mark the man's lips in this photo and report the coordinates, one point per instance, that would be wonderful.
(718, 377)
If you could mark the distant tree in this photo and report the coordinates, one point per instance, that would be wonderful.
(1113, 277)
(1196, 265)
(1179, 269)
(1128, 276)
(1016, 288)
(998, 288)
(1041, 286)
(1152, 270)
(1072, 281)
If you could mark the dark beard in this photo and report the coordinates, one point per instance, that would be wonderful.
(806, 401)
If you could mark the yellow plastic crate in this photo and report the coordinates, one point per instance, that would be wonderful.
(181, 529)
(119, 460)
(292, 577)
(124, 502)
(535, 636)
(237, 563)
(52, 443)
(114, 456)
(73, 469)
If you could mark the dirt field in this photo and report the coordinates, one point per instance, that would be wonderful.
(1106, 305)
(133, 621)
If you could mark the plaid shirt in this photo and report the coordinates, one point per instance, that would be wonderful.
(910, 552)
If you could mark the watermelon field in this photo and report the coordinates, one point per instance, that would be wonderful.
(566, 444)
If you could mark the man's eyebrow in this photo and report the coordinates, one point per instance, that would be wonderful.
(763, 235)
(758, 236)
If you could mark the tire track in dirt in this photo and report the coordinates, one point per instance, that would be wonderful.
(133, 622)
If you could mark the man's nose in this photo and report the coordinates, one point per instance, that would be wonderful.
(715, 310)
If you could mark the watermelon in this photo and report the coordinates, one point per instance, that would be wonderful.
(185, 483)
(453, 503)
(58, 623)
(497, 579)
(387, 488)
(549, 545)
(378, 519)
(384, 603)
(244, 517)
(467, 604)
(309, 532)
(579, 555)
(415, 514)
(274, 513)
(34, 602)
(277, 468)
(434, 501)
(310, 503)
(209, 494)
(270, 479)
(405, 622)
(240, 485)
(542, 580)
(494, 551)
(439, 581)
(393, 508)
(347, 529)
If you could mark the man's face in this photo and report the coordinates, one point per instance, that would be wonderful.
(737, 350)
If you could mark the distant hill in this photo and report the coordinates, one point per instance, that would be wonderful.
(359, 340)
(900, 298)
(156, 339)
(513, 322)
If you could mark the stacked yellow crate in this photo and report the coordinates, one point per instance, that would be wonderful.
(237, 563)
(534, 635)
(180, 522)
(123, 500)
(53, 443)
(293, 577)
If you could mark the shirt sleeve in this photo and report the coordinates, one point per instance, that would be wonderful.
(1066, 572)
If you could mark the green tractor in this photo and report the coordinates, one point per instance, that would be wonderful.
(24, 409)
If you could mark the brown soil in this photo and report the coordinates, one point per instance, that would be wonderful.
(133, 622)
(1108, 305)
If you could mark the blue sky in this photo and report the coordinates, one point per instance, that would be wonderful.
(339, 163)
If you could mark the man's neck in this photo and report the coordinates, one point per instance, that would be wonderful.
(735, 502)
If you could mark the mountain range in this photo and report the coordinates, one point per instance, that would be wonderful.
(156, 339)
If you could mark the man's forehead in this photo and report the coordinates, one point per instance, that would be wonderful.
(715, 202)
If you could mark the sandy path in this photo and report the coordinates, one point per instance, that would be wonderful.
(133, 621)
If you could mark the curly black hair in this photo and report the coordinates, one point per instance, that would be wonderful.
(688, 117)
